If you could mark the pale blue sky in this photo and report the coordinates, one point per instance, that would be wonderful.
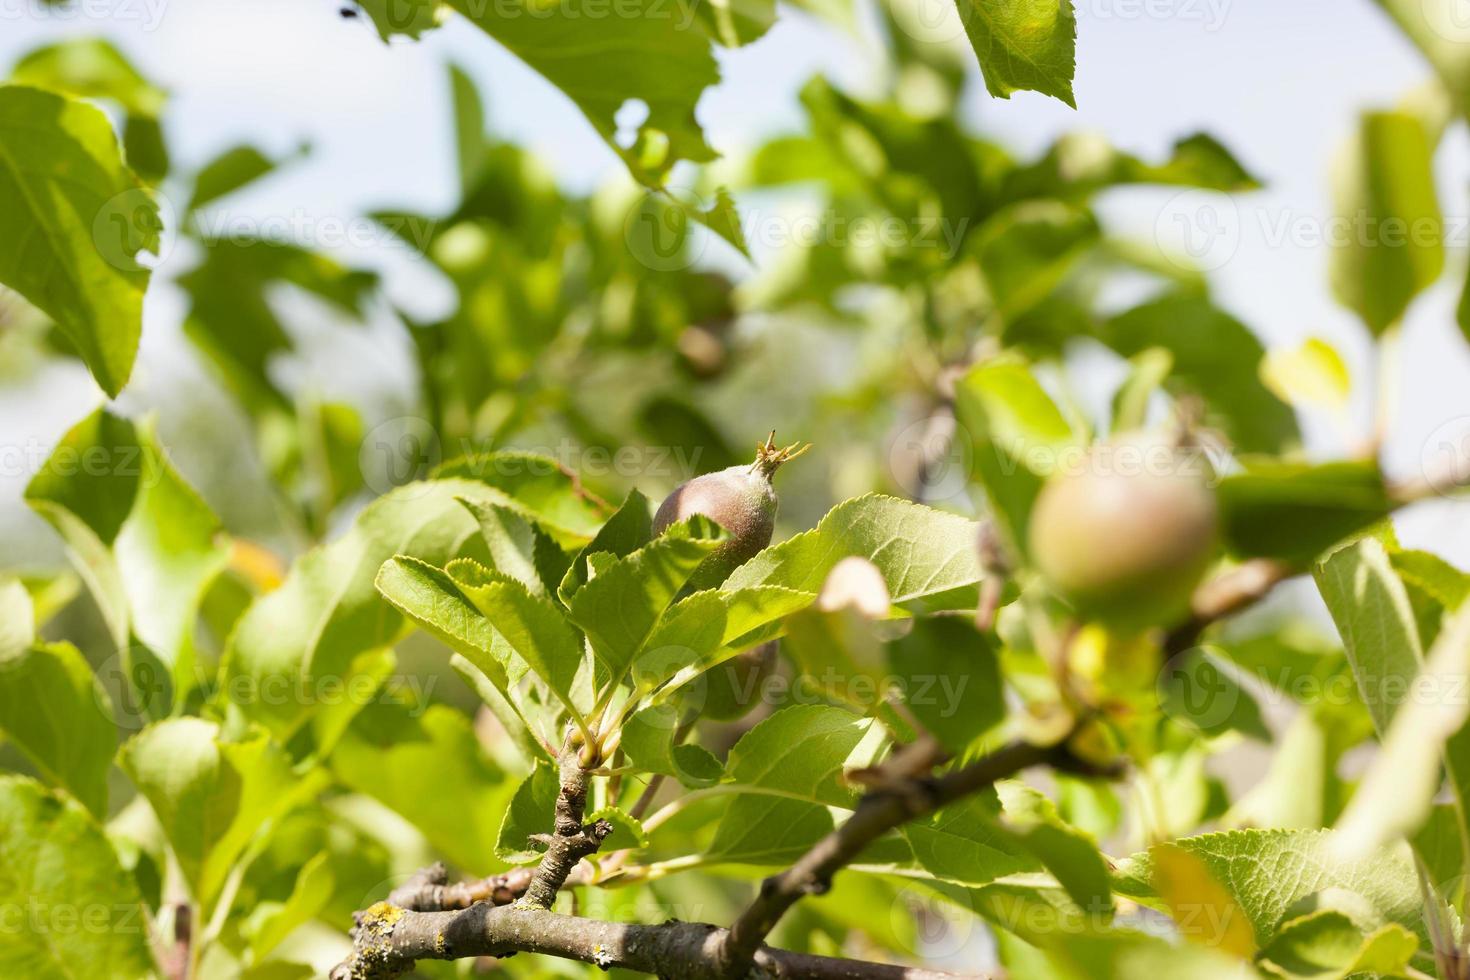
(1279, 83)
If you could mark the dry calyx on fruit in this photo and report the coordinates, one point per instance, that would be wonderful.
(1127, 536)
(742, 500)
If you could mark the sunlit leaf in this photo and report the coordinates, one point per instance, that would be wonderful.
(78, 220)
(53, 856)
(1386, 202)
(1030, 44)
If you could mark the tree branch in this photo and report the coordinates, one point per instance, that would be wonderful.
(1250, 582)
(389, 940)
(427, 890)
(569, 842)
(879, 811)
(1239, 588)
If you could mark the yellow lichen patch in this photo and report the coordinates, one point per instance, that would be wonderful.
(384, 914)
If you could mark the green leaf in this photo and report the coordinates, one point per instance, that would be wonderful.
(1373, 614)
(648, 742)
(328, 610)
(1079, 165)
(1018, 437)
(1128, 955)
(950, 677)
(470, 141)
(1214, 356)
(1301, 789)
(1462, 312)
(233, 169)
(619, 608)
(1440, 845)
(1387, 203)
(1009, 831)
(531, 811)
(77, 220)
(917, 168)
(923, 553)
(1270, 873)
(735, 23)
(506, 708)
(1146, 373)
(54, 710)
(627, 831)
(518, 547)
(1200, 690)
(1023, 45)
(966, 844)
(1439, 30)
(1434, 576)
(1327, 945)
(536, 487)
(90, 68)
(17, 618)
(54, 856)
(145, 542)
(269, 923)
(1396, 794)
(93, 68)
(722, 218)
(426, 764)
(1026, 251)
(645, 54)
(1296, 511)
(144, 148)
(699, 632)
(212, 796)
(434, 601)
(531, 626)
(410, 18)
(627, 530)
(669, 421)
(231, 319)
(795, 759)
(1383, 633)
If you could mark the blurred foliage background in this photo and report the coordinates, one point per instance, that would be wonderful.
(612, 331)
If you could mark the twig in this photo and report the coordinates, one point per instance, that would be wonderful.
(427, 890)
(1237, 589)
(1250, 582)
(178, 957)
(389, 940)
(877, 813)
(569, 842)
(646, 798)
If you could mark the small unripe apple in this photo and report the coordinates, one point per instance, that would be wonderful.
(740, 499)
(1126, 536)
